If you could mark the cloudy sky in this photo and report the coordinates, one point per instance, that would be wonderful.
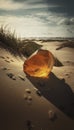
(38, 18)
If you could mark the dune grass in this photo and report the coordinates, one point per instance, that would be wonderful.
(16, 45)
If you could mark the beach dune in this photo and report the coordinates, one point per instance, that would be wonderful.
(47, 103)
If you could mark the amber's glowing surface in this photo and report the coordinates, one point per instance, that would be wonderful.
(40, 64)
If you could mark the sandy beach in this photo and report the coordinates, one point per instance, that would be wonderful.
(19, 100)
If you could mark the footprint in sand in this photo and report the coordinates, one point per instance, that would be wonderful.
(27, 97)
(2, 57)
(7, 61)
(29, 100)
(52, 115)
(21, 77)
(28, 90)
(4, 68)
(10, 75)
(67, 75)
(7, 57)
(12, 60)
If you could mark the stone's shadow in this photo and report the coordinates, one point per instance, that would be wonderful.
(57, 92)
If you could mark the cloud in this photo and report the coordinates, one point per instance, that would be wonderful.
(66, 21)
(31, 1)
(18, 4)
(63, 3)
(25, 26)
(63, 6)
(10, 5)
(55, 6)
(37, 17)
(50, 18)
(20, 0)
(31, 26)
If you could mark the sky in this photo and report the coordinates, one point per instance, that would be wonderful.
(38, 18)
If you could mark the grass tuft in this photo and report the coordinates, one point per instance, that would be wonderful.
(16, 45)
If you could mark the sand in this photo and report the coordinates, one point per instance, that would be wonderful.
(19, 100)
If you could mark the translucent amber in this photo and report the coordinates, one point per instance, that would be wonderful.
(40, 64)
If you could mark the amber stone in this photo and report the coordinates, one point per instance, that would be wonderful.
(39, 64)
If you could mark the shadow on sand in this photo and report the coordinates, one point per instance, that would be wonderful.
(57, 92)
